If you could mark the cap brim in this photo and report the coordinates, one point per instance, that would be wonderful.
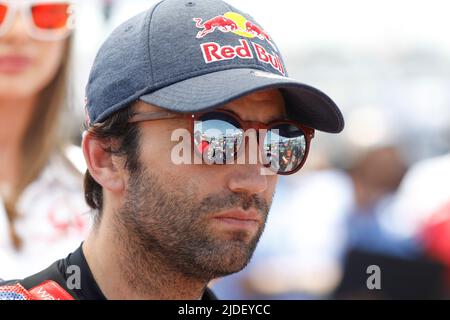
(306, 104)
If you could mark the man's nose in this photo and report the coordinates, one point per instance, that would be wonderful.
(247, 179)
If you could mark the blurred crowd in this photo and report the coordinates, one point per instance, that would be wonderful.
(328, 225)
(377, 195)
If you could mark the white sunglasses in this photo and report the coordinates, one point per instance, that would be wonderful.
(49, 20)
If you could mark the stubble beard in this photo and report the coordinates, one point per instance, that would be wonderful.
(168, 232)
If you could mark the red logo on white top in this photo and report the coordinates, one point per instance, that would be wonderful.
(50, 290)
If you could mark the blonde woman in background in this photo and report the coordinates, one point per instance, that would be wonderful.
(41, 201)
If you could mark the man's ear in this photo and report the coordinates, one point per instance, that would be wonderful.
(101, 165)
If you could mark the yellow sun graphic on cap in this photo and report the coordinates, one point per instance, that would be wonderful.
(240, 22)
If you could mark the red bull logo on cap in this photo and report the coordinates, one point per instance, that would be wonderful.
(236, 23)
(221, 23)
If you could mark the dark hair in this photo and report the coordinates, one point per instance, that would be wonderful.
(126, 138)
(39, 141)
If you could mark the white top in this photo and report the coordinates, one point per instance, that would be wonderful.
(54, 221)
(424, 190)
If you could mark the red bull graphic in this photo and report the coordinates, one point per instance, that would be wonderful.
(213, 52)
(232, 22)
(220, 22)
(235, 23)
(264, 56)
(252, 28)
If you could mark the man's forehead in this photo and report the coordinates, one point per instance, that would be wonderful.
(141, 106)
(269, 102)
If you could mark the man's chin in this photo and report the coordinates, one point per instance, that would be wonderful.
(228, 267)
(231, 255)
(233, 247)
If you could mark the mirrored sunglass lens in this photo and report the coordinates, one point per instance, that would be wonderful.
(217, 138)
(50, 16)
(284, 148)
(3, 11)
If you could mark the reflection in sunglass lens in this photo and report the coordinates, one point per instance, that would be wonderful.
(3, 11)
(284, 148)
(217, 138)
(50, 16)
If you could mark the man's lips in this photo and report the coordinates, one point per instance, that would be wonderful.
(14, 63)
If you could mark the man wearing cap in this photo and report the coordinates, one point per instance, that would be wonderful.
(168, 222)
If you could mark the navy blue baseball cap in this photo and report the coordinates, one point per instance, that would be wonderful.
(193, 55)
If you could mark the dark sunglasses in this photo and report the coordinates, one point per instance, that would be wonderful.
(218, 137)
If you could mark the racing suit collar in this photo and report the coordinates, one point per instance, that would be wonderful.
(89, 287)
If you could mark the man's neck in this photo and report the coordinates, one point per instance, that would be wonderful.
(122, 272)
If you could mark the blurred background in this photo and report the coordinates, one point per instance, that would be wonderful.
(376, 194)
